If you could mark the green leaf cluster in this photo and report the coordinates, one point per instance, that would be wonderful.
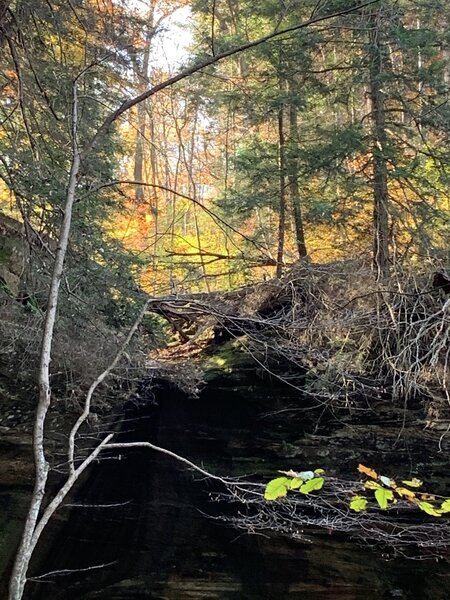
(303, 482)
(387, 492)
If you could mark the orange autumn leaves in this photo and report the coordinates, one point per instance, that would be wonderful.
(387, 492)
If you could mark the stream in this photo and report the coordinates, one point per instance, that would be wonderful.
(143, 526)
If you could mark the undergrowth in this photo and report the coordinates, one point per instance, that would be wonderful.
(84, 346)
(339, 336)
(359, 338)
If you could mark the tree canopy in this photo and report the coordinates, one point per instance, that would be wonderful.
(328, 141)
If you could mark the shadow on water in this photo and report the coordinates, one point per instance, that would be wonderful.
(160, 545)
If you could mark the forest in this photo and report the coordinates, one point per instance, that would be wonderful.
(223, 194)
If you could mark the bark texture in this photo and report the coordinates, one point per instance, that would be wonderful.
(380, 142)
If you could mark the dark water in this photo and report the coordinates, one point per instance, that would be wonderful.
(163, 547)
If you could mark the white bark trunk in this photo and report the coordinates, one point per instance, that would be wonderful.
(23, 557)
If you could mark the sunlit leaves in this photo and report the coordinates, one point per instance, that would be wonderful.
(383, 497)
(386, 481)
(290, 473)
(296, 484)
(371, 485)
(368, 471)
(277, 488)
(385, 491)
(358, 503)
(312, 485)
(405, 493)
(304, 482)
(414, 483)
(427, 497)
(429, 509)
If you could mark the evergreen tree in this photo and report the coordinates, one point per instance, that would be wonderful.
(45, 47)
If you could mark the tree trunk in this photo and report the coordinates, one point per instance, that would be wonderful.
(4, 5)
(139, 155)
(380, 171)
(27, 543)
(139, 152)
(293, 182)
(282, 192)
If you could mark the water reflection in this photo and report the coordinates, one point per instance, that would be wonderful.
(160, 545)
